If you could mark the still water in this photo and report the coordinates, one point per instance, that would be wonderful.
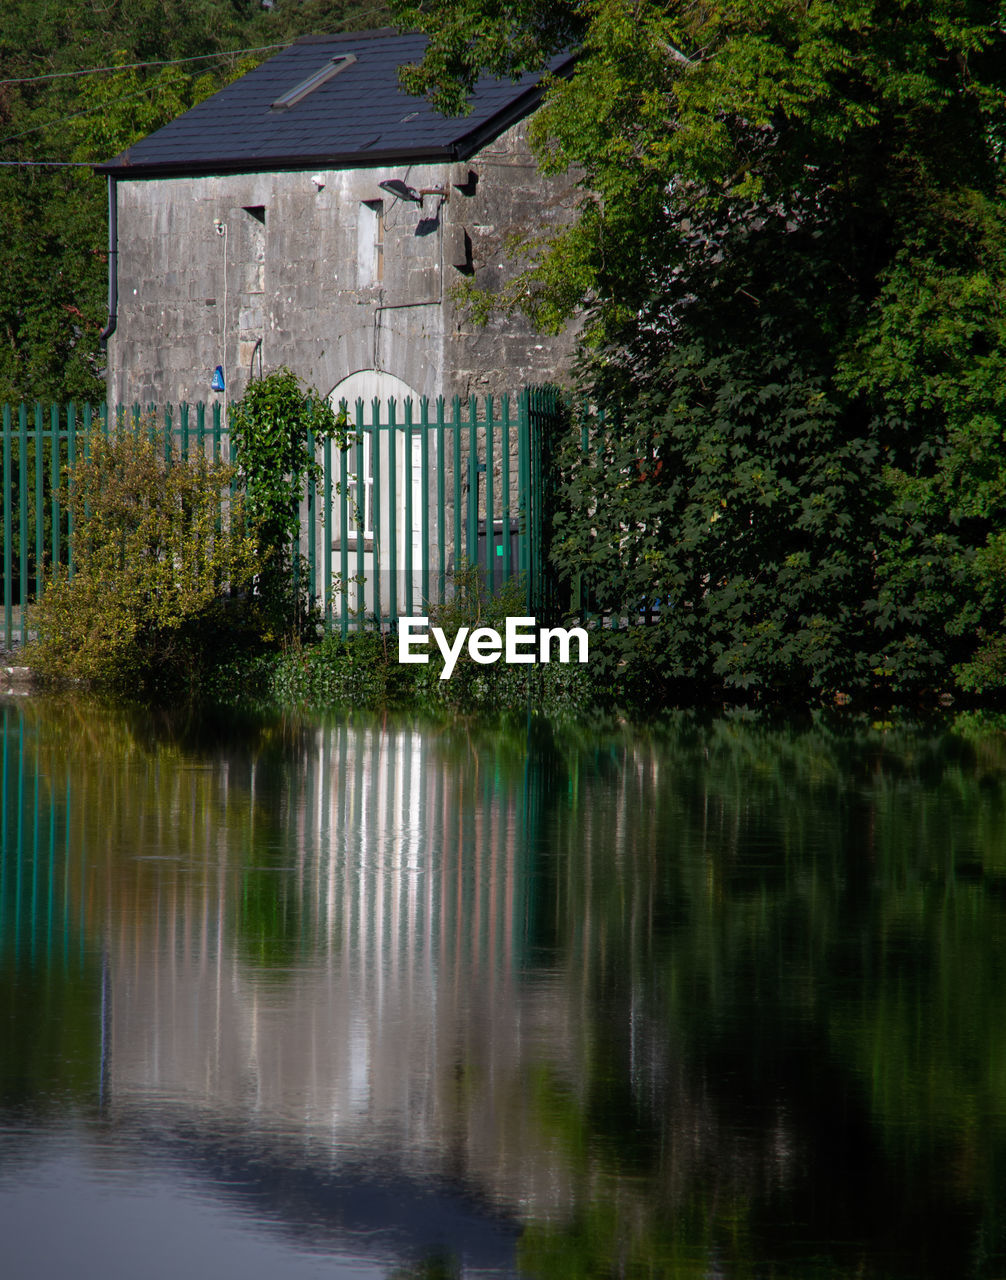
(364, 999)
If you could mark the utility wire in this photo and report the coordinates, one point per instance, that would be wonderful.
(132, 66)
(170, 62)
(47, 164)
(100, 106)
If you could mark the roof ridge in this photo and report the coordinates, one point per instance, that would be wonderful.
(374, 33)
(361, 116)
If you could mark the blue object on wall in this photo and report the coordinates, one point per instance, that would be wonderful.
(217, 381)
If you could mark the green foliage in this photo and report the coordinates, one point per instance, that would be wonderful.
(54, 284)
(738, 522)
(154, 567)
(499, 687)
(274, 428)
(929, 362)
(792, 255)
(860, 99)
(360, 671)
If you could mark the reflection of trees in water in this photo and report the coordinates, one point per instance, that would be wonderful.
(681, 999)
(788, 943)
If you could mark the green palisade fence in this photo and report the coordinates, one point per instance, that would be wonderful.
(419, 493)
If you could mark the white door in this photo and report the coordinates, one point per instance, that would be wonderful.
(366, 385)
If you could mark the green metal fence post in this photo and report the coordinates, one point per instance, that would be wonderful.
(393, 511)
(361, 525)
(409, 514)
(534, 425)
(312, 529)
(424, 521)
(375, 508)
(55, 513)
(473, 481)
(523, 492)
(344, 537)
(295, 542)
(8, 540)
(327, 528)
(505, 482)
(490, 503)
(85, 451)
(456, 425)
(441, 508)
(22, 467)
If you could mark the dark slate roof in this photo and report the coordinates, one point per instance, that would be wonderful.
(359, 117)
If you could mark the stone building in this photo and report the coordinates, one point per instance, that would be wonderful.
(313, 215)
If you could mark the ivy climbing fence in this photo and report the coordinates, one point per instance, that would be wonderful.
(421, 493)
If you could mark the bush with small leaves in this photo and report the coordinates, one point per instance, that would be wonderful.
(274, 429)
(163, 568)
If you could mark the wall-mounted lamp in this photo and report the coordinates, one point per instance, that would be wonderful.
(402, 191)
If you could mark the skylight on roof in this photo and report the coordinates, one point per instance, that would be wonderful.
(320, 77)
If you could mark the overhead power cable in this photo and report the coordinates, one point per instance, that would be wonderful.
(132, 66)
(87, 111)
(47, 164)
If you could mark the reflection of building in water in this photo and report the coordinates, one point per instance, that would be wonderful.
(322, 947)
(328, 947)
(341, 970)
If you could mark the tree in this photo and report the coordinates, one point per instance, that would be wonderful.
(790, 252)
(54, 285)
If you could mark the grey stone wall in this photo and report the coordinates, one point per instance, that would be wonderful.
(264, 270)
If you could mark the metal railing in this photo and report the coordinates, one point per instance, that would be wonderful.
(420, 493)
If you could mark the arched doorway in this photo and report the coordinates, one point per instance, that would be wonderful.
(370, 501)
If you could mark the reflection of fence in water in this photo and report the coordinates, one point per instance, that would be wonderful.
(395, 995)
(415, 866)
(41, 921)
(394, 885)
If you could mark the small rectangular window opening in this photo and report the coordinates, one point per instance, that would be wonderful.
(256, 211)
(370, 243)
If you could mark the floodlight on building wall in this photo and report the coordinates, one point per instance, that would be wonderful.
(402, 191)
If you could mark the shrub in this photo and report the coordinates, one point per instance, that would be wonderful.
(157, 568)
(497, 687)
(273, 428)
(363, 671)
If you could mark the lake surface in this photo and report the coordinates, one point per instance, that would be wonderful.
(365, 999)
